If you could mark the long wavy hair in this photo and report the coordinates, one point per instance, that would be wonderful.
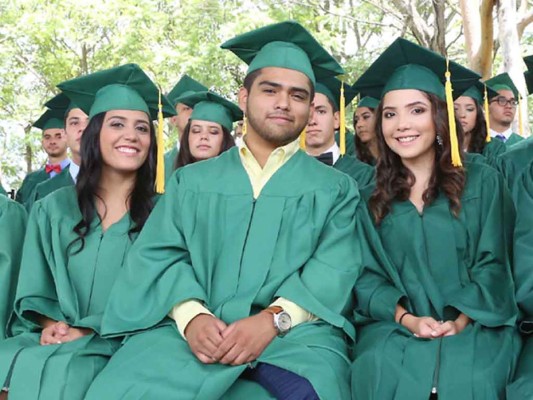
(478, 135)
(394, 181)
(362, 150)
(185, 156)
(141, 197)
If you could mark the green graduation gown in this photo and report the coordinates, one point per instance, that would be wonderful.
(358, 170)
(514, 160)
(170, 158)
(2, 190)
(438, 266)
(43, 189)
(208, 239)
(513, 139)
(12, 228)
(522, 387)
(30, 182)
(65, 285)
(492, 150)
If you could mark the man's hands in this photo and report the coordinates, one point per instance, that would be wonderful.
(60, 332)
(243, 341)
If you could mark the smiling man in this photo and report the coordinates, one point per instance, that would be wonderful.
(253, 255)
(320, 133)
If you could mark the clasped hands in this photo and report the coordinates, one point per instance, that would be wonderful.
(213, 341)
(58, 332)
(429, 328)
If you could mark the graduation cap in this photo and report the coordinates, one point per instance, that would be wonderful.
(369, 102)
(284, 45)
(209, 106)
(340, 95)
(185, 86)
(405, 65)
(61, 102)
(503, 82)
(123, 88)
(51, 119)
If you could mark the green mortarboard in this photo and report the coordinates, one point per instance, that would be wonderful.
(185, 86)
(405, 65)
(331, 88)
(477, 92)
(502, 82)
(528, 75)
(209, 106)
(121, 88)
(51, 119)
(369, 102)
(284, 45)
(61, 102)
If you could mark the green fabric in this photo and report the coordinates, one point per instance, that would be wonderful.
(43, 189)
(438, 265)
(528, 76)
(57, 283)
(363, 173)
(477, 92)
(61, 103)
(514, 139)
(350, 142)
(331, 88)
(12, 228)
(26, 192)
(170, 159)
(503, 82)
(185, 86)
(284, 45)
(514, 161)
(522, 386)
(209, 106)
(51, 119)
(369, 102)
(493, 150)
(405, 65)
(2, 191)
(208, 239)
(126, 87)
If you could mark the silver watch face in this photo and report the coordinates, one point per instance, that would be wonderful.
(283, 322)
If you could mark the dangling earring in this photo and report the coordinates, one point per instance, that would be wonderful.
(439, 139)
(244, 125)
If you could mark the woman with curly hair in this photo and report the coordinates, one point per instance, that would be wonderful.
(435, 305)
(364, 123)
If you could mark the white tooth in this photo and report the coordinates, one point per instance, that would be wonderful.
(126, 150)
(407, 139)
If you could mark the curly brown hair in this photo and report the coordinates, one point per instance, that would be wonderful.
(394, 181)
(362, 150)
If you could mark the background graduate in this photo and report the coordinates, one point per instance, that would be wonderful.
(364, 123)
(257, 242)
(435, 305)
(78, 238)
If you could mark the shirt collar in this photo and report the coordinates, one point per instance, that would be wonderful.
(335, 151)
(507, 133)
(74, 169)
(283, 153)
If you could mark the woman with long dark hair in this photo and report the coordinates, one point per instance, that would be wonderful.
(208, 132)
(364, 123)
(469, 111)
(77, 241)
(435, 303)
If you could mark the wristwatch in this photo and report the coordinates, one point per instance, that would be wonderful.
(282, 319)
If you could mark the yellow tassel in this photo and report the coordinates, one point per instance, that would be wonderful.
(244, 125)
(486, 108)
(520, 124)
(456, 156)
(302, 140)
(342, 127)
(160, 169)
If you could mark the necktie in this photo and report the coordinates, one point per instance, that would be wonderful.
(501, 137)
(52, 168)
(326, 158)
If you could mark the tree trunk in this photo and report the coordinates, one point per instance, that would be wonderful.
(472, 31)
(487, 39)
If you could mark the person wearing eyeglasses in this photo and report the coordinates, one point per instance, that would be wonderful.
(502, 109)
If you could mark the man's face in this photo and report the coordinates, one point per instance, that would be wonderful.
(278, 104)
(323, 122)
(54, 142)
(180, 121)
(502, 115)
(75, 124)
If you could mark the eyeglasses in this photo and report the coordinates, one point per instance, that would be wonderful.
(502, 101)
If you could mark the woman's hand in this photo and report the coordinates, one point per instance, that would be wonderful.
(60, 332)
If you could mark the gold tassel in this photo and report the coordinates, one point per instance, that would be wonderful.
(244, 125)
(160, 169)
(486, 108)
(342, 127)
(456, 156)
(302, 140)
(520, 124)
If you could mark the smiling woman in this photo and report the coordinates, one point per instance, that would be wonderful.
(78, 239)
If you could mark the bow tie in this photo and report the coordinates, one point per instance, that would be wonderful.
(52, 168)
(326, 158)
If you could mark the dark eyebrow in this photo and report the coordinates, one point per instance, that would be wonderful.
(279, 85)
(73, 118)
(124, 119)
(414, 103)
